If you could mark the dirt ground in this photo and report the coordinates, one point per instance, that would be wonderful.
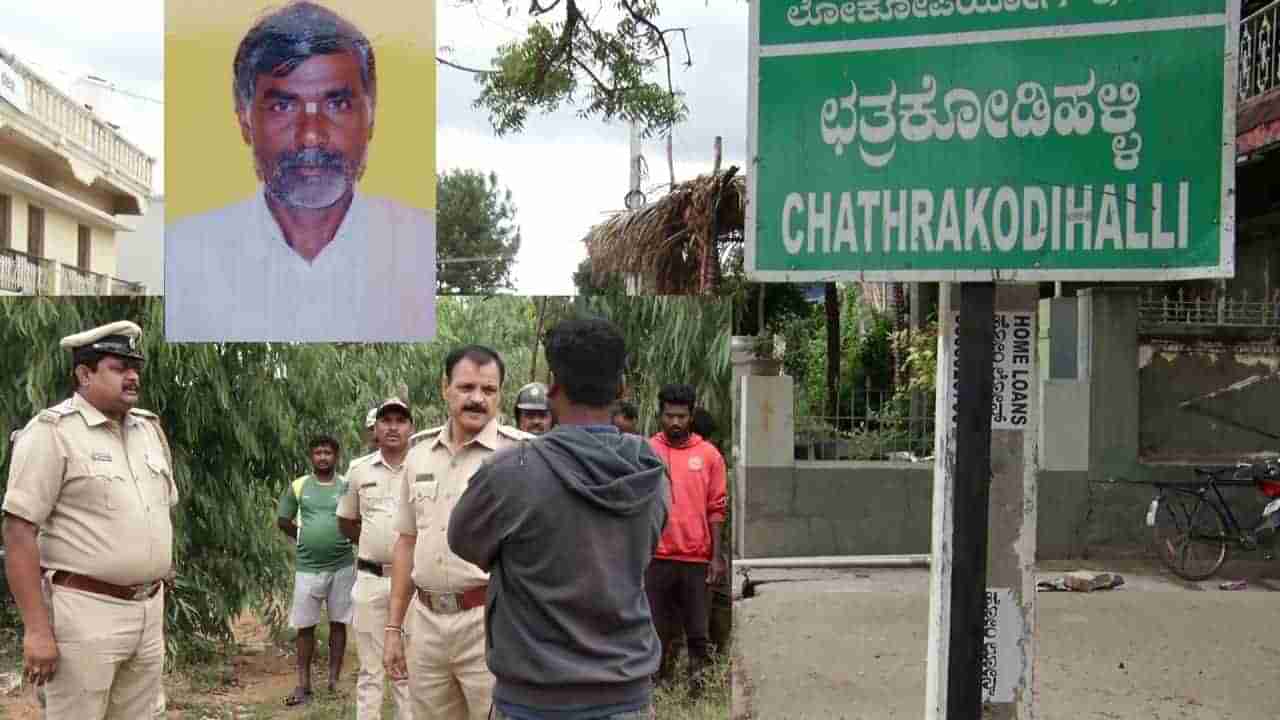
(250, 684)
(852, 644)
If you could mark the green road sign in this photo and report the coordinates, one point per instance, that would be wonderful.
(924, 140)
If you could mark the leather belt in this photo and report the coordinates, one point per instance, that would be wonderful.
(74, 581)
(453, 603)
(373, 568)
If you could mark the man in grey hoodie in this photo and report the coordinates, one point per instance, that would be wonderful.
(566, 525)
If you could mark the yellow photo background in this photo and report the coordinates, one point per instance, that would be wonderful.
(208, 165)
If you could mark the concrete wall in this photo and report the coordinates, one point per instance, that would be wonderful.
(875, 508)
(141, 252)
(1168, 377)
(1094, 507)
(837, 509)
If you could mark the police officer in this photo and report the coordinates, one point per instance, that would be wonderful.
(437, 598)
(366, 515)
(533, 413)
(89, 536)
(371, 437)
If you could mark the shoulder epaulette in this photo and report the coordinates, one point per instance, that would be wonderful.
(429, 433)
(361, 460)
(514, 433)
(57, 412)
(143, 413)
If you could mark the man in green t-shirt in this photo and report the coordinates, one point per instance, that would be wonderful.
(325, 571)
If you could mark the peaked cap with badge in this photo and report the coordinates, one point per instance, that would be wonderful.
(101, 491)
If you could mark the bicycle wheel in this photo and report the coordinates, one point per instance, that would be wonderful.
(1190, 536)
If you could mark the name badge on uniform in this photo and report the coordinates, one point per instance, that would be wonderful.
(695, 463)
(367, 485)
(424, 486)
(101, 456)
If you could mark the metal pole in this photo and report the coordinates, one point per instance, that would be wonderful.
(971, 501)
(833, 562)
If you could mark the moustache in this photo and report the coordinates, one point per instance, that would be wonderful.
(475, 408)
(313, 158)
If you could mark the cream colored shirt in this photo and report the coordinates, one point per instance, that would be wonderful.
(230, 275)
(434, 479)
(100, 492)
(373, 486)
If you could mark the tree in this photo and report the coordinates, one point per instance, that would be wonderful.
(477, 239)
(239, 416)
(610, 285)
(572, 56)
(673, 339)
(831, 302)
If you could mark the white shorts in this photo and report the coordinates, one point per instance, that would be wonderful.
(331, 589)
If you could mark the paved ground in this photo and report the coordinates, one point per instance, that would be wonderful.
(851, 644)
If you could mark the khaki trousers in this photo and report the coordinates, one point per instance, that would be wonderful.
(110, 656)
(370, 597)
(448, 677)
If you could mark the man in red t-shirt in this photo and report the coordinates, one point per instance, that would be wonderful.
(688, 557)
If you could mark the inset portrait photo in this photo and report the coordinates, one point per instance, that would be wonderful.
(301, 171)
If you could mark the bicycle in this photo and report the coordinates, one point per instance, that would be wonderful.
(1192, 525)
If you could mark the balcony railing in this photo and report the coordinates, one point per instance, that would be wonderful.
(1259, 52)
(84, 282)
(29, 275)
(124, 287)
(77, 124)
(22, 273)
(1214, 310)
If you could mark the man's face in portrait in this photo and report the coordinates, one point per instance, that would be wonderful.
(310, 130)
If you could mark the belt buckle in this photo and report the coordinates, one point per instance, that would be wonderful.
(446, 603)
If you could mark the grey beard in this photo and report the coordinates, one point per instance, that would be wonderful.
(314, 193)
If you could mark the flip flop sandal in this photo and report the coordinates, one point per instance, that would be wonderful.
(298, 697)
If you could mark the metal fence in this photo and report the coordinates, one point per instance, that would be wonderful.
(870, 424)
(1259, 53)
(1160, 309)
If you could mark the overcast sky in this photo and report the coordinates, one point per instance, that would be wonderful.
(565, 173)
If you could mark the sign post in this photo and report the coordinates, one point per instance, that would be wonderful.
(989, 143)
(975, 140)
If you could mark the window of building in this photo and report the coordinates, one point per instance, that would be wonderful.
(85, 242)
(6, 222)
(35, 231)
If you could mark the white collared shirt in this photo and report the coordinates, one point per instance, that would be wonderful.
(230, 275)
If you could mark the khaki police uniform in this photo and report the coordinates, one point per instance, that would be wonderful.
(101, 493)
(372, 490)
(445, 647)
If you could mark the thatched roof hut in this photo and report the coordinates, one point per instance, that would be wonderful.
(676, 243)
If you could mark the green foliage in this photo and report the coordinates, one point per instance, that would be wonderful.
(475, 219)
(572, 57)
(585, 285)
(865, 348)
(784, 303)
(919, 352)
(674, 339)
(239, 416)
